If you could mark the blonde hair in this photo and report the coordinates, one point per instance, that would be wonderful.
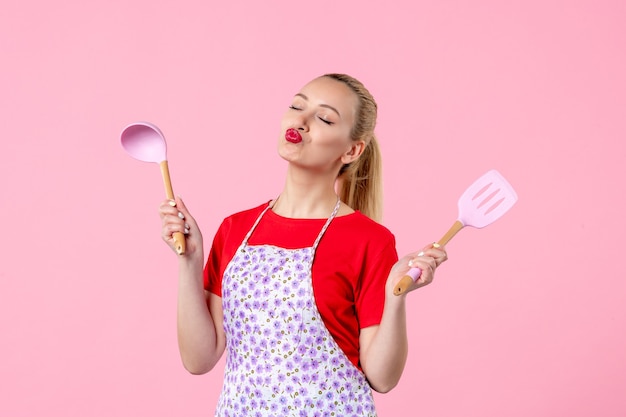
(360, 183)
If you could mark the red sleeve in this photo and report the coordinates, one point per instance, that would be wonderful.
(212, 269)
(370, 295)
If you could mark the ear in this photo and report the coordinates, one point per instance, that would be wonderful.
(353, 153)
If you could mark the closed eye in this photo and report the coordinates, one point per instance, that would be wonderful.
(292, 107)
(325, 121)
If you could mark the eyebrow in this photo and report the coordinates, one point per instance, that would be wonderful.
(321, 105)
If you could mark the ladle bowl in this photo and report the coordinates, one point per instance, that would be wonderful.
(145, 142)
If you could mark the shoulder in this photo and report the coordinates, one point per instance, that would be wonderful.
(361, 226)
(241, 220)
(361, 236)
(245, 215)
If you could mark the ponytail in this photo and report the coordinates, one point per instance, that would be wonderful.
(360, 182)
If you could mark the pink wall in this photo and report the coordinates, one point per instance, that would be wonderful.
(527, 318)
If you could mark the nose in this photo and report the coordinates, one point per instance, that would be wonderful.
(301, 121)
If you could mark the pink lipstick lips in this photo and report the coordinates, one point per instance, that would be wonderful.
(293, 136)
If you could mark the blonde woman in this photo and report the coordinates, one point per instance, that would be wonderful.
(299, 290)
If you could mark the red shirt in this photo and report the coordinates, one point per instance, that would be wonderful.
(350, 268)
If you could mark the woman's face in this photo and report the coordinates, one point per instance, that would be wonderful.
(322, 114)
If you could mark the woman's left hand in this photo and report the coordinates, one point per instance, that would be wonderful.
(427, 259)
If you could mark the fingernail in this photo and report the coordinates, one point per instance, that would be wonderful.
(172, 203)
(186, 226)
(411, 263)
(181, 215)
(420, 254)
(436, 245)
(186, 231)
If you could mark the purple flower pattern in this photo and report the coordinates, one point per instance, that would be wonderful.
(281, 359)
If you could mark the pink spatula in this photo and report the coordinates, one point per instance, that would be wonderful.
(145, 142)
(484, 202)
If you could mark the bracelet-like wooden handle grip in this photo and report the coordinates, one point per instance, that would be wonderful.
(179, 238)
(403, 285)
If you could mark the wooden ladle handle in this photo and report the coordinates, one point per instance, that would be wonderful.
(179, 238)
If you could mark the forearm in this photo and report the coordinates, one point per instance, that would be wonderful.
(385, 358)
(197, 337)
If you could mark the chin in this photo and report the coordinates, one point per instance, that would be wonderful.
(285, 151)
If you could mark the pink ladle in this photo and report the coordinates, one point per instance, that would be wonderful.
(145, 142)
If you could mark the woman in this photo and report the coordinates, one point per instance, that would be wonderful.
(299, 290)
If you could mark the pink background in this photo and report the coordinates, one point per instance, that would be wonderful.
(528, 318)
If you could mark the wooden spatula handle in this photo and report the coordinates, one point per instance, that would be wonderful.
(179, 238)
(414, 273)
(403, 285)
(456, 227)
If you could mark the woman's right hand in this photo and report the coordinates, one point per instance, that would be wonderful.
(176, 218)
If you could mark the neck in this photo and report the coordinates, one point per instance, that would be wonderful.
(306, 195)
